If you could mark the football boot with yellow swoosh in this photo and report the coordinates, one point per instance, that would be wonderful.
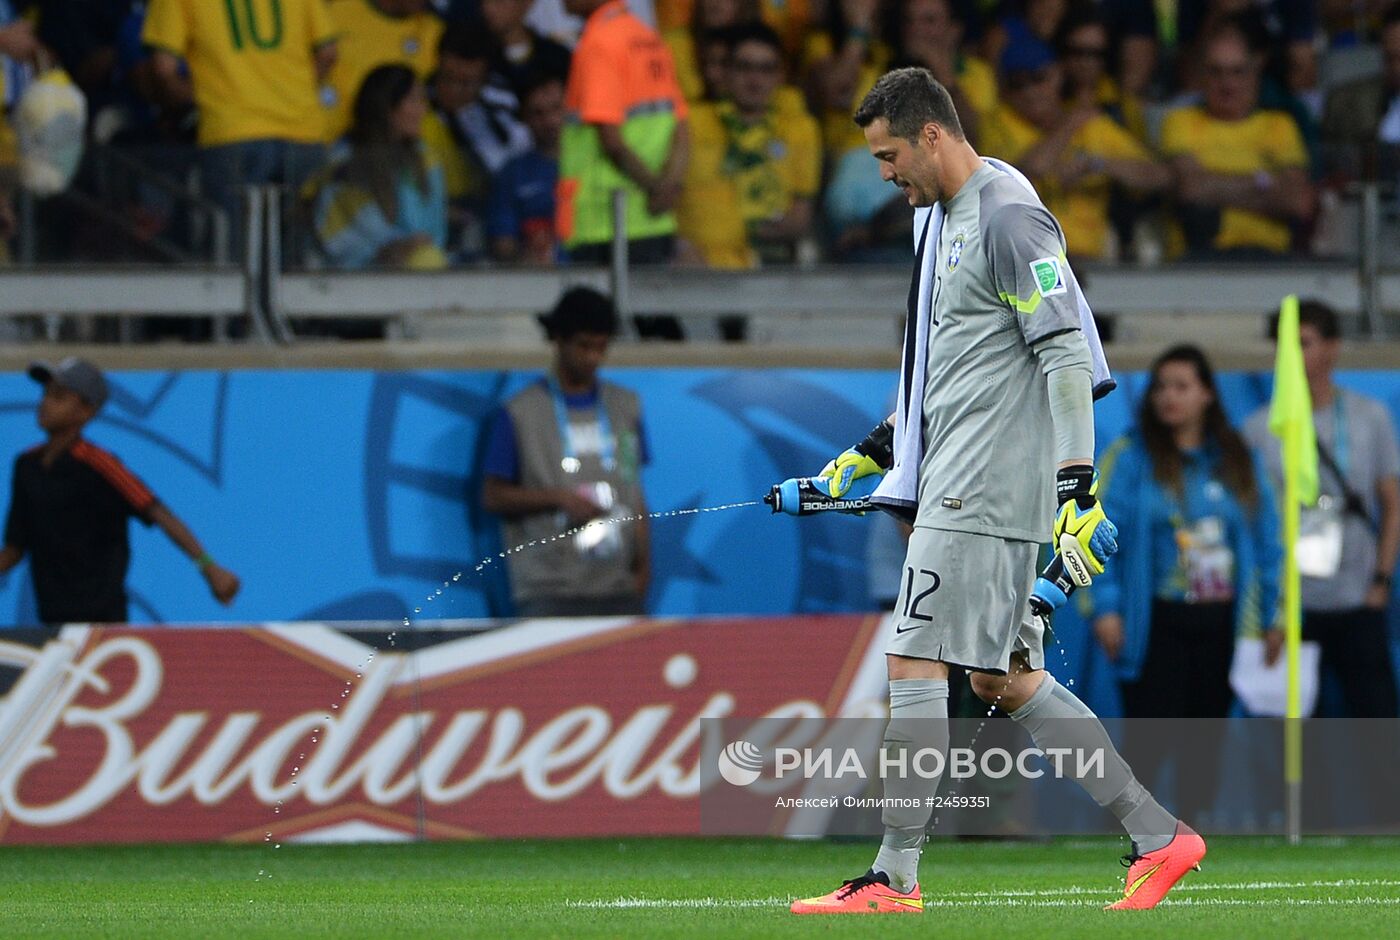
(1152, 875)
(869, 894)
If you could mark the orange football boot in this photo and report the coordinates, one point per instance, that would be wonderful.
(869, 894)
(1151, 876)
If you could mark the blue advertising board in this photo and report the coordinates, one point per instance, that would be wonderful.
(354, 494)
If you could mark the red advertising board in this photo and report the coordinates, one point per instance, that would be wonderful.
(559, 728)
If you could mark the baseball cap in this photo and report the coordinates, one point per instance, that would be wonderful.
(76, 374)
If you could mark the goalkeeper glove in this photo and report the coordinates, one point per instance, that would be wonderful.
(874, 455)
(1086, 539)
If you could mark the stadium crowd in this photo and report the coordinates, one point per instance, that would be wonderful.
(426, 133)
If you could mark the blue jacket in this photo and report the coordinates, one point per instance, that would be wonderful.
(1128, 489)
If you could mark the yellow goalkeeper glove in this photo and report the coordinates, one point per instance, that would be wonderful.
(874, 455)
(1085, 537)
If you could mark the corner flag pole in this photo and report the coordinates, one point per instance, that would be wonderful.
(1290, 420)
(1293, 637)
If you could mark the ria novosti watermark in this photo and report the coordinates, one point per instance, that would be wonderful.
(742, 763)
(801, 774)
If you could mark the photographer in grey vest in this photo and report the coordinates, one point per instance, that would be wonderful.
(1348, 542)
(566, 454)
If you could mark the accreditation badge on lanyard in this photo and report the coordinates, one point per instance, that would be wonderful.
(1320, 527)
(600, 538)
(1319, 545)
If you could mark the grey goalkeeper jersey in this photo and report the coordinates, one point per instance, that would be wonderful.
(1002, 288)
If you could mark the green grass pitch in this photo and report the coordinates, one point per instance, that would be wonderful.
(655, 888)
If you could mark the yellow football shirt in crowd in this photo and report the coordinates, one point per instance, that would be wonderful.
(708, 214)
(1266, 140)
(686, 59)
(1124, 108)
(252, 63)
(367, 39)
(772, 161)
(460, 179)
(978, 82)
(741, 174)
(1081, 207)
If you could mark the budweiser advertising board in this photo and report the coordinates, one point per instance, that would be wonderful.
(558, 728)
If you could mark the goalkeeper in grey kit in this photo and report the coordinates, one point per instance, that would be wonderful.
(993, 427)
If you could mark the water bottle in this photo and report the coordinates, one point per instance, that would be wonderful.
(803, 496)
(1052, 589)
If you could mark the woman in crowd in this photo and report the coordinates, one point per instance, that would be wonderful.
(1198, 567)
(384, 202)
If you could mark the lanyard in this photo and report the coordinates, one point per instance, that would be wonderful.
(1339, 435)
(1194, 503)
(1182, 506)
(571, 463)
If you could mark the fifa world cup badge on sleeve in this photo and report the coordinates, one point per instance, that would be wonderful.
(1049, 276)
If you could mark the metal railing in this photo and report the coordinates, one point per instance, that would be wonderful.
(270, 298)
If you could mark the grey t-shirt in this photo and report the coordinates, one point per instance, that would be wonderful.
(1367, 453)
(1001, 286)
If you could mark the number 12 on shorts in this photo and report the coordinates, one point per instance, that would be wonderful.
(913, 580)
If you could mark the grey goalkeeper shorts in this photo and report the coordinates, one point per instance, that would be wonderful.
(964, 599)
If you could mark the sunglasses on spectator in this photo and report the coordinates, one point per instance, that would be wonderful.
(767, 67)
(1097, 52)
(1215, 70)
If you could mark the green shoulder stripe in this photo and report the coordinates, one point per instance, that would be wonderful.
(1021, 306)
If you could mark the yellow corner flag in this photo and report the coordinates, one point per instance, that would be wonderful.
(1291, 421)
(1290, 410)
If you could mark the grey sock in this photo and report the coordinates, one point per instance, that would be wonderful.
(918, 721)
(1056, 718)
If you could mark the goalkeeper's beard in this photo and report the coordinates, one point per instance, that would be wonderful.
(920, 197)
